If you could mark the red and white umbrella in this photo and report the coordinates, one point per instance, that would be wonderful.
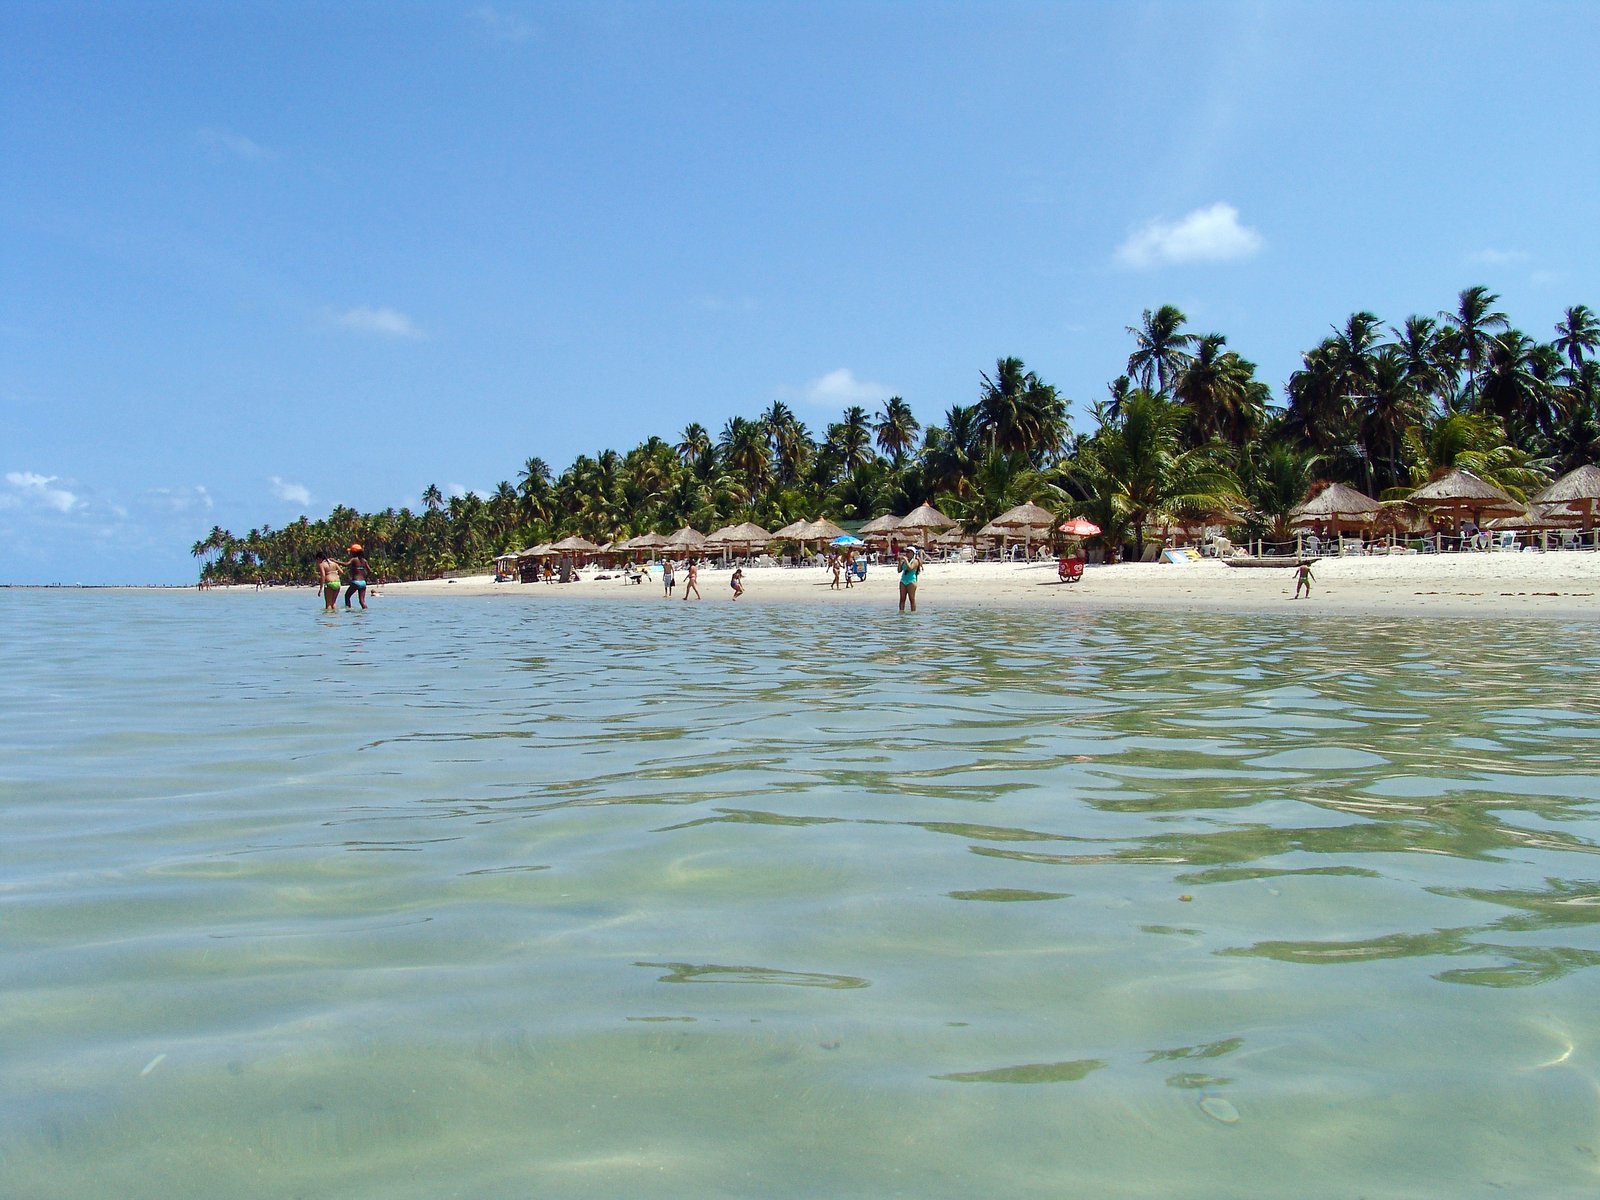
(1078, 527)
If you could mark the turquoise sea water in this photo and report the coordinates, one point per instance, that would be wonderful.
(497, 898)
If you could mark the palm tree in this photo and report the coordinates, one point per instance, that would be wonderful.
(1020, 414)
(1161, 350)
(790, 442)
(1578, 335)
(744, 452)
(1517, 388)
(1474, 320)
(1221, 393)
(432, 497)
(694, 442)
(950, 452)
(1275, 476)
(1140, 469)
(1393, 405)
(1425, 358)
(896, 429)
(1472, 442)
(1576, 439)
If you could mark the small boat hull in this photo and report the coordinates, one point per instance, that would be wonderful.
(1271, 560)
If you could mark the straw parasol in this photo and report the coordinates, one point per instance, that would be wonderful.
(576, 543)
(1029, 518)
(887, 523)
(645, 541)
(1579, 490)
(923, 520)
(1461, 493)
(823, 529)
(1336, 506)
(745, 534)
(794, 531)
(542, 550)
(688, 540)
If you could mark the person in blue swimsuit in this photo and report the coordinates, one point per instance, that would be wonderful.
(909, 565)
(360, 573)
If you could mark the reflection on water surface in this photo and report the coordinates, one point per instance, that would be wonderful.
(394, 905)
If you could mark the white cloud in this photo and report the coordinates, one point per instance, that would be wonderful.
(1211, 234)
(178, 499)
(503, 26)
(840, 389)
(1497, 258)
(232, 143)
(291, 493)
(29, 488)
(384, 321)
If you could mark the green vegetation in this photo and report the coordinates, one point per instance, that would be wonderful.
(1188, 432)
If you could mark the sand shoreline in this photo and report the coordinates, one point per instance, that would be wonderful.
(1556, 586)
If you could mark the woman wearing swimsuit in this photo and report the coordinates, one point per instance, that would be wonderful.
(692, 583)
(328, 576)
(910, 565)
(359, 570)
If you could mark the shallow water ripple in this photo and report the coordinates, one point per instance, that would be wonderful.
(482, 897)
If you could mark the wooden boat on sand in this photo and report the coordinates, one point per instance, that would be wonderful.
(1268, 560)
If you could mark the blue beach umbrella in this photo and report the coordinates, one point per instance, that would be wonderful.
(847, 540)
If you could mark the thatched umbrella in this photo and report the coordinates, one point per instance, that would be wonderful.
(887, 523)
(1579, 490)
(746, 534)
(923, 520)
(823, 529)
(687, 540)
(1336, 506)
(1029, 518)
(794, 531)
(576, 544)
(1463, 493)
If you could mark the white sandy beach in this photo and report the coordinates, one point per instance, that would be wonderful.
(1560, 585)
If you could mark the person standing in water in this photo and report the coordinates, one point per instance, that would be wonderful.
(910, 566)
(360, 573)
(328, 579)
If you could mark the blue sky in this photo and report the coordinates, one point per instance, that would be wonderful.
(260, 259)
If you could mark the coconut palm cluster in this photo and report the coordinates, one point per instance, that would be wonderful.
(1188, 432)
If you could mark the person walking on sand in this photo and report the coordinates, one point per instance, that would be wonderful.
(737, 582)
(669, 581)
(910, 566)
(328, 579)
(360, 573)
(833, 565)
(692, 582)
(1302, 579)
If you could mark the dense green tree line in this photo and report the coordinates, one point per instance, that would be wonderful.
(1188, 432)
